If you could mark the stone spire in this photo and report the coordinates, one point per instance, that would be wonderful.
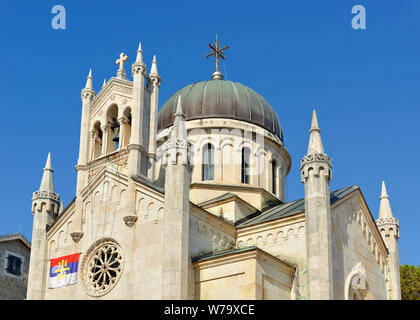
(153, 70)
(384, 206)
(89, 81)
(47, 183)
(315, 142)
(389, 227)
(45, 208)
(175, 161)
(315, 171)
(103, 85)
(139, 58)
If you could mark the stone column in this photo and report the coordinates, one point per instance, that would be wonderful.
(316, 174)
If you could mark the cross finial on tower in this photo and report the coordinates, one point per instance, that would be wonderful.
(121, 72)
(216, 52)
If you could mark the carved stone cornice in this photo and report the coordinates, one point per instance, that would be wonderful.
(87, 94)
(45, 195)
(176, 151)
(320, 157)
(154, 79)
(139, 68)
(387, 221)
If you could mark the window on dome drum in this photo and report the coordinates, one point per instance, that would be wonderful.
(274, 176)
(245, 165)
(208, 162)
(14, 265)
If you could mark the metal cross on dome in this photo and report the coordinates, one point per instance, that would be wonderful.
(216, 52)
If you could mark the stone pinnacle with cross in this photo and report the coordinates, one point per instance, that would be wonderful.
(216, 52)
(121, 72)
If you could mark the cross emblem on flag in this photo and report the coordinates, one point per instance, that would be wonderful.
(63, 271)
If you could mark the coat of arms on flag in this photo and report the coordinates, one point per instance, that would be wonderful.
(63, 271)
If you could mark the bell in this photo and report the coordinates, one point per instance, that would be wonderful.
(115, 127)
(116, 136)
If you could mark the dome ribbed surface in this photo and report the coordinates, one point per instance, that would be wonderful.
(221, 99)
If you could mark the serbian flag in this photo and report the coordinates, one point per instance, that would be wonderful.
(63, 271)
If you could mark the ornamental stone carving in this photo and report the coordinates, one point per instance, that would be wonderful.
(130, 220)
(76, 236)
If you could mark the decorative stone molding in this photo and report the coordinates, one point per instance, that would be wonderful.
(130, 220)
(387, 220)
(76, 236)
(87, 94)
(45, 195)
(168, 152)
(154, 79)
(316, 162)
(139, 68)
(315, 157)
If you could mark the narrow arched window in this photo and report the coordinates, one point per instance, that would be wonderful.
(274, 176)
(208, 162)
(245, 165)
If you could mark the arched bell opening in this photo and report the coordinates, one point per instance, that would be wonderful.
(97, 136)
(113, 129)
(126, 131)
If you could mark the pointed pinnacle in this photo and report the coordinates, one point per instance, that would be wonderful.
(315, 142)
(179, 111)
(47, 183)
(385, 210)
(48, 163)
(89, 80)
(314, 124)
(103, 85)
(384, 194)
(139, 54)
(154, 66)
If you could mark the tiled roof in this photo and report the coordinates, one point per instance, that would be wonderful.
(289, 209)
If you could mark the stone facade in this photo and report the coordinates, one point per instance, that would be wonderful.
(14, 287)
(181, 226)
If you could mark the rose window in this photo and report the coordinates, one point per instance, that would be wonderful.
(103, 269)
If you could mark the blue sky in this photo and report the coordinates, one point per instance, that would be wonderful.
(297, 54)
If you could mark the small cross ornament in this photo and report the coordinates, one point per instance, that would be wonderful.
(121, 72)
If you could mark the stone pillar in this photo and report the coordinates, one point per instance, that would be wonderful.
(45, 208)
(316, 174)
(175, 158)
(105, 133)
(389, 227)
(154, 81)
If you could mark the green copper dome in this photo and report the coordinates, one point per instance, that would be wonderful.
(221, 99)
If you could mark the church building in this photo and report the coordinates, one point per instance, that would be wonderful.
(188, 202)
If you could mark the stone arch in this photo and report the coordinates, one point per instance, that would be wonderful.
(52, 247)
(269, 239)
(249, 242)
(260, 241)
(150, 209)
(355, 286)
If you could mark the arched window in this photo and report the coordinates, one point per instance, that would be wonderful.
(96, 147)
(274, 176)
(208, 162)
(245, 165)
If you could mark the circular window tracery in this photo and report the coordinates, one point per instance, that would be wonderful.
(102, 267)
